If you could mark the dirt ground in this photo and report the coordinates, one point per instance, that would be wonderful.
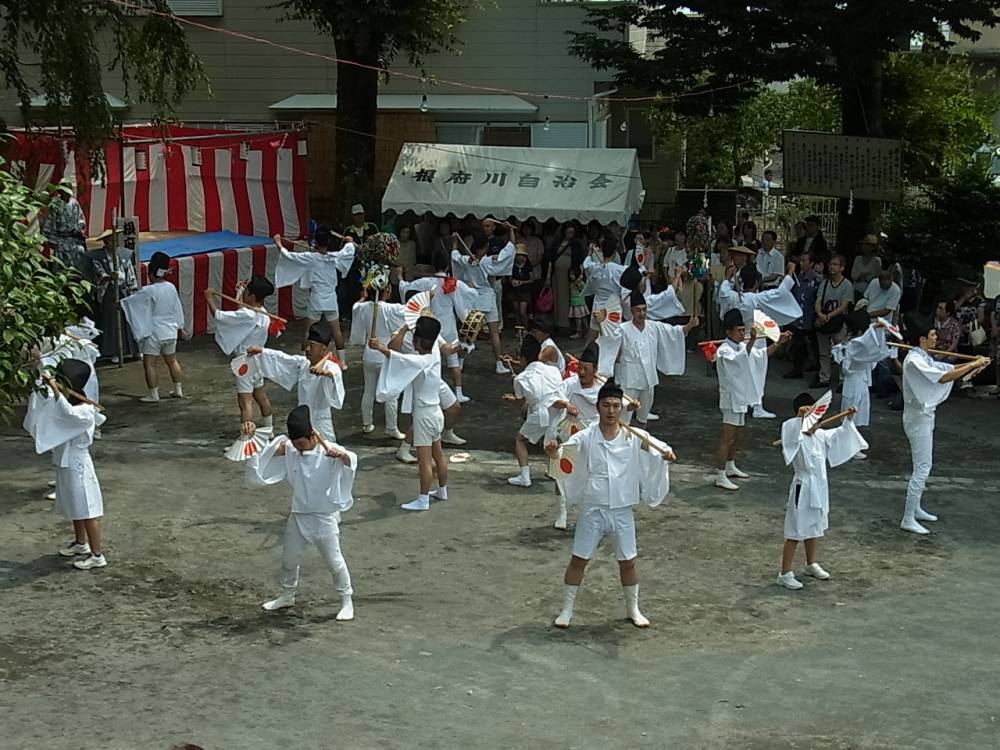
(453, 645)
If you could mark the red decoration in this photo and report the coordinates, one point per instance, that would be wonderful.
(615, 316)
(450, 284)
(565, 466)
(276, 328)
(709, 348)
(244, 369)
(573, 429)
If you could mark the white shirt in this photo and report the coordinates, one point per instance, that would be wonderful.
(771, 262)
(320, 484)
(319, 392)
(154, 312)
(584, 399)
(238, 330)
(317, 272)
(736, 386)
(476, 273)
(540, 385)
(883, 299)
(922, 391)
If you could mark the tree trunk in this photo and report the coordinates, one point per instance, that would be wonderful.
(861, 115)
(357, 105)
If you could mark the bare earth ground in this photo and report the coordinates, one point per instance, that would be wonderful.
(452, 646)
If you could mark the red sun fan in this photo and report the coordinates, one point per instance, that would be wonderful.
(709, 348)
(276, 327)
(565, 466)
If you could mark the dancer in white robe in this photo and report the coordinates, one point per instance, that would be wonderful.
(539, 388)
(420, 374)
(322, 479)
(389, 319)
(646, 348)
(319, 272)
(857, 357)
(155, 315)
(737, 392)
(926, 383)
(315, 376)
(581, 389)
(808, 451)
(235, 332)
(550, 352)
(779, 304)
(613, 470)
(61, 423)
(603, 282)
(451, 302)
(476, 270)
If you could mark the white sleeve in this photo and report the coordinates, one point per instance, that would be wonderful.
(502, 265)
(664, 305)
(58, 422)
(343, 259)
(398, 372)
(361, 323)
(138, 310)
(292, 268)
(924, 377)
(842, 443)
(333, 384)
(671, 350)
(266, 468)
(778, 303)
(654, 472)
(174, 314)
(232, 327)
(283, 369)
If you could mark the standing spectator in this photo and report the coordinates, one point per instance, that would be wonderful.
(722, 237)
(882, 296)
(949, 330)
(836, 295)
(746, 231)
(360, 228)
(808, 277)
(813, 240)
(866, 266)
(443, 242)
(107, 314)
(674, 258)
(579, 313)
(64, 228)
(535, 248)
(770, 261)
(768, 182)
(520, 285)
(563, 254)
(969, 308)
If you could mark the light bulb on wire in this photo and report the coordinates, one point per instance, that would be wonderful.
(623, 127)
(545, 127)
(423, 103)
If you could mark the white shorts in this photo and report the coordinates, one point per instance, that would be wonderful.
(451, 360)
(487, 302)
(596, 522)
(249, 382)
(735, 418)
(331, 315)
(446, 396)
(427, 427)
(533, 432)
(150, 347)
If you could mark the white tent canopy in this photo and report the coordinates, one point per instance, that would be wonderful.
(601, 184)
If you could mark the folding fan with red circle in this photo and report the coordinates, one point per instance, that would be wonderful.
(766, 326)
(419, 305)
(820, 408)
(612, 323)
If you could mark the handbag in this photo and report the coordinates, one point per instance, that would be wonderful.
(834, 324)
(545, 301)
(977, 334)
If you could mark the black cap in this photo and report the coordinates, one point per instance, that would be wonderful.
(74, 373)
(320, 332)
(159, 262)
(803, 399)
(637, 299)
(427, 329)
(631, 277)
(299, 423)
(732, 319)
(610, 389)
(260, 287)
(591, 355)
(530, 349)
(858, 321)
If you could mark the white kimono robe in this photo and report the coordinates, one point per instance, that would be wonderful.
(78, 346)
(603, 281)
(317, 272)
(319, 392)
(390, 319)
(321, 489)
(238, 330)
(560, 363)
(630, 474)
(921, 395)
(584, 399)
(857, 358)
(415, 376)
(664, 305)
(154, 312)
(447, 307)
(737, 392)
(540, 385)
(477, 273)
(808, 507)
(68, 431)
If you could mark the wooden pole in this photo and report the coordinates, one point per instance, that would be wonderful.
(244, 304)
(374, 315)
(938, 352)
(823, 423)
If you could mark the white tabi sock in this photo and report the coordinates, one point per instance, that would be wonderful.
(569, 599)
(342, 356)
(154, 395)
(423, 502)
(632, 606)
(459, 393)
(733, 471)
(267, 421)
(441, 493)
(179, 390)
(346, 608)
(523, 478)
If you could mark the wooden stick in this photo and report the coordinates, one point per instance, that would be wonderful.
(374, 315)
(645, 440)
(459, 238)
(249, 307)
(939, 352)
(322, 441)
(822, 423)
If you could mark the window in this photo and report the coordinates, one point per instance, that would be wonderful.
(559, 135)
(196, 7)
(640, 134)
(514, 135)
(461, 134)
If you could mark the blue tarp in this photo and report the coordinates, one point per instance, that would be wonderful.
(195, 244)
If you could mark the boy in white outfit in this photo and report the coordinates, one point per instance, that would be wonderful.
(155, 315)
(808, 450)
(926, 383)
(389, 319)
(581, 389)
(322, 478)
(614, 470)
(857, 358)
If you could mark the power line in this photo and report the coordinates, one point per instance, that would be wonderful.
(412, 76)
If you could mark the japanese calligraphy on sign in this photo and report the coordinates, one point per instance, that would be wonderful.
(524, 179)
(129, 238)
(841, 166)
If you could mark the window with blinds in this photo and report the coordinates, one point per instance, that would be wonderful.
(196, 7)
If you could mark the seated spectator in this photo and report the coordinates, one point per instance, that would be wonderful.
(882, 296)
(949, 330)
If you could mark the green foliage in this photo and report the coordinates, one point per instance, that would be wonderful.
(953, 231)
(52, 47)
(37, 299)
(723, 147)
(941, 109)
